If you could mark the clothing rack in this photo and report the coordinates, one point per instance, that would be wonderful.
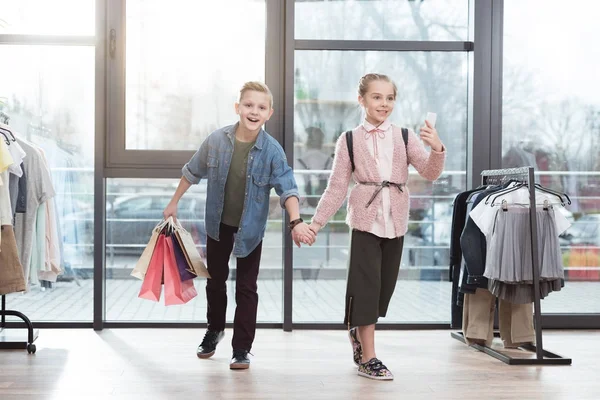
(543, 357)
(9, 343)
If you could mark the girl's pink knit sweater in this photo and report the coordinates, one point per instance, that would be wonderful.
(428, 164)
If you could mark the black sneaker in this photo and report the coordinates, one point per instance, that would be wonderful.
(209, 343)
(240, 360)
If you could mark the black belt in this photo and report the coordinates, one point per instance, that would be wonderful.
(381, 185)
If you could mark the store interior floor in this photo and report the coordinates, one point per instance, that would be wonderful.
(161, 364)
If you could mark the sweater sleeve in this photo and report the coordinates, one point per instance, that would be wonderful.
(337, 187)
(429, 165)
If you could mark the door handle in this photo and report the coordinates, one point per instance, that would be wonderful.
(112, 49)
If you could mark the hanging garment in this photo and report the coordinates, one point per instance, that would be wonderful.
(11, 271)
(509, 247)
(459, 214)
(6, 159)
(484, 214)
(52, 263)
(508, 264)
(18, 192)
(515, 320)
(5, 208)
(18, 154)
(523, 293)
(38, 246)
(39, 189)
(473, 245)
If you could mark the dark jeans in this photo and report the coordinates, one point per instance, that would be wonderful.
(246, 296)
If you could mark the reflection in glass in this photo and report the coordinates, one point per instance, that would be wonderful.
(325, 106)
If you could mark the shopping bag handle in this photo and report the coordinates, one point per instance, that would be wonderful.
(163, 223)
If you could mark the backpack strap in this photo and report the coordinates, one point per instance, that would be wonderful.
(405, 138)
(350, 148)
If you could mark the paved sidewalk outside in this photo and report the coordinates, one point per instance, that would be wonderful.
(314, 301)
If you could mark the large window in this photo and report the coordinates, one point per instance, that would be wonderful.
(48, 93)
(326, 105)
(551, 114)
(382, 20)
(181, 86)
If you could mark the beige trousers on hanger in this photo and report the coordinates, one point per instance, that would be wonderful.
(515, 320)
(11, 271)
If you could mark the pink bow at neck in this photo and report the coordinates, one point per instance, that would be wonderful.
(374, 134)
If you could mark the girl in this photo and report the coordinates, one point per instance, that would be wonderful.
(377, 210)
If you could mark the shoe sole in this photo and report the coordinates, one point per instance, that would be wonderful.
(239, 366)
(377, 378)
(206, 355)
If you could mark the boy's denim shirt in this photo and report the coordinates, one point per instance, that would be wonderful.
(267, 168)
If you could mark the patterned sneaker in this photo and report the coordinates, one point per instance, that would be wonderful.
(356, 347)
(374, 369)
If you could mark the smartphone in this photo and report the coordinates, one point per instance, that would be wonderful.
(431, 118)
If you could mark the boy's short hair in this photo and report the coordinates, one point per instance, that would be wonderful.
(257, 87)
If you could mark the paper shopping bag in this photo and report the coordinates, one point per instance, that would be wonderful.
(183, 266)
(142, 265)
(176, 290)
(191, 252)
(152, 285)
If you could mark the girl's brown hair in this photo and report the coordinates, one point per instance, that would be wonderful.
(363, 84)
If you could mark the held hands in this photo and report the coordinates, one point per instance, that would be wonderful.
(430, 136)
(303, 234)
(306, 234)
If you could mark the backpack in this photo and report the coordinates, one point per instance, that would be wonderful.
(314, 193)
(351, 150)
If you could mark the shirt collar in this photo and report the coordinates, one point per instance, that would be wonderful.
(260, 139)
(383, 127)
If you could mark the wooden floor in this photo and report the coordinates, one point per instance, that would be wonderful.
(161, 364)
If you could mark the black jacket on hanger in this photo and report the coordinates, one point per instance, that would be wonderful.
(459, 214)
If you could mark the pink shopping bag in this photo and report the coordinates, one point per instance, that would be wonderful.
(176, 290)
(152, 285)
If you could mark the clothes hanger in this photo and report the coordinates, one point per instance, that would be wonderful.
(5, 138)
(559, 194)
(497, 194)
(3, 129)
(518, 185)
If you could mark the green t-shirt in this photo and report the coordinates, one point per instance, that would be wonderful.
(235, 187)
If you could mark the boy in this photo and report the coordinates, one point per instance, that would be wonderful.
(241, 163)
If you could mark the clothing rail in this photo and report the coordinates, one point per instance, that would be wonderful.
(543, 357)
(16, 344)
